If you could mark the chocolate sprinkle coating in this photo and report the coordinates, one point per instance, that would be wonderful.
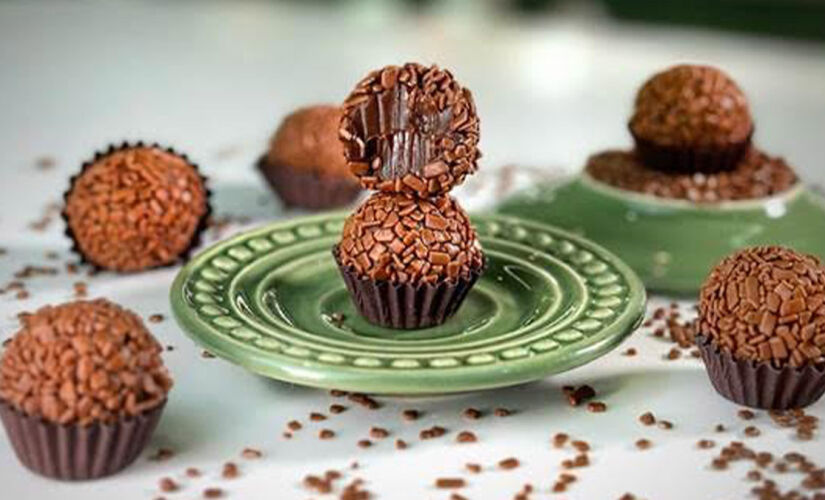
(757, 175)
(402, 239)
(410, 129)
(766, 304)
(136, 207)
(83, 362)
(691, 106)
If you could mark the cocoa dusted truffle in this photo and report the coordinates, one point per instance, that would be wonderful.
(757, 175)
(410, 129)
(401, 238)
(409, 262)
(691, 118)
(136, 207)
(73, 374)
(305, 164)
(761, 327)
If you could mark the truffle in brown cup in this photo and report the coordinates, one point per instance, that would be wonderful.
(73, 452)
(760, 384)
(307, 189)
(691, 118)
(136, 206)
(408, 262)
(305, 164)
(405, 305)
(412, 129)
(761, 328)
(90, 406)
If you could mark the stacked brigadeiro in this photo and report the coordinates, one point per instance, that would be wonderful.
(761, 328)
(409, 254)
(305, 164)
(82, 387)
(692, 129)
(135, 207)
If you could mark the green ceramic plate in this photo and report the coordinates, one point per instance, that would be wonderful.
(267, 300)
(673, 244)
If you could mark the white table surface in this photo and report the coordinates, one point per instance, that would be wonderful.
(212, 79)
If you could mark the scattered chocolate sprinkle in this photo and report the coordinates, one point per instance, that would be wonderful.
(450, 483)
(705, 444)
(410, 414)
(212, 493)
(251, 453)
(364, 400)
(168, 485)
(294, 425)
(746, 414)
(400, 444)
(379, 433)
(336, 409)
(207, 355)
(162, 455)
(560, 439)
(472, 413)
(643, 444)
(192, 472)
(502, 412)
(317, 417)
(596, 407)
(230, 470)
(582, 446)
(665, 424)
(509, 463)
(752, 431)
(647, 418)
(433, 432)
(578, 395)
(326, 434)
(156, 318)
(337, 393)
(473, 468)
(466, 437)
(318, 484)
(364, 443)
(631, 351)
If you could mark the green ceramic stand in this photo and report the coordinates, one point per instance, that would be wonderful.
(673, 244)
(272, 301)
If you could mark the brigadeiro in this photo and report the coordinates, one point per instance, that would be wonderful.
(82, 387)
(761, 328)
(691, 118)
(409, 262)
(410, 128)
(136, 207)
(305, 164)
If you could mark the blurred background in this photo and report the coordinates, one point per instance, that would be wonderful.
(553, 79)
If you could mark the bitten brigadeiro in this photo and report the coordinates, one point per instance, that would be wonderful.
(691, 118)
(82, 387)
(135, 207)
(761, 328)
(408, 254)
(410, 128)
(305, 164)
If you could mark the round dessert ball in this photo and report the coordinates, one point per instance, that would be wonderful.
(766, 304)
(411, 129)
(83, 362)
(305, 164)
(404, 239)
(135, 208)
(693, 118)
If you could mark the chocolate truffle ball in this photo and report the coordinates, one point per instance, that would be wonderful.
(691, 118)
(305, 164)
(410, 129)
(136, 207)
(766, 304)
(307, 139)
(83, 362)
(757, 175)
(404, 239)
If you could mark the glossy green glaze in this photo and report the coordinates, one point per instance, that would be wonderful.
(267, 300)
(673, 244)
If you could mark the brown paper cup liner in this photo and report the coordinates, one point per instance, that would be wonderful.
(303, 189)
(196, 236)
(77, 452)
(688, 160)
(759, 384)
(406, 306)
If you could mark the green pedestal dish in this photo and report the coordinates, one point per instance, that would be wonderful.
(673, 244)
(272, 300)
